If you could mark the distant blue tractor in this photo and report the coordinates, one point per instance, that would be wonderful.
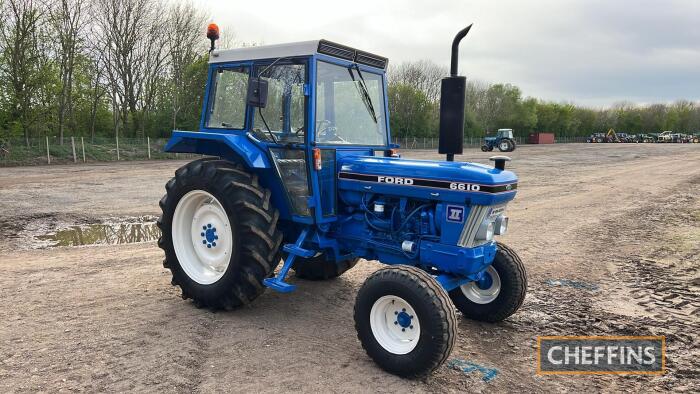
(503, 140)
(301, 167)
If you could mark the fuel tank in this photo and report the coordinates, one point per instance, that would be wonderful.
(457, 182)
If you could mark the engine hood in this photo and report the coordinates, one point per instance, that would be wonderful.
(435, 180)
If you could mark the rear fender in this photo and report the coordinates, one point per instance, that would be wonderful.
(233, 147)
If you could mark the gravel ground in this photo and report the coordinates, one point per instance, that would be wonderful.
(610, 235)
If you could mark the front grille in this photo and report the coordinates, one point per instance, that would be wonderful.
(477, 215)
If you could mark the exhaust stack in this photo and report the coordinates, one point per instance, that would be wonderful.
(452, 102)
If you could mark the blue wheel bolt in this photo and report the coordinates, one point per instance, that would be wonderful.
(204, 241)
(411, 316)
(204, 227)
(209, 225)
(213, 244)
(403, 329)
(403, 310)
(396, 313)
(209, 246)
(216, 237)
(202, 234)
(396, 322)
(213, 229)
(411, 327)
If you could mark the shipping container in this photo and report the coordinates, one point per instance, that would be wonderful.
(541, 138)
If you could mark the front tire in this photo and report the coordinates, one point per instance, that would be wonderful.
(219, 233)
(404, 321)
(484, 148)
(499, 295)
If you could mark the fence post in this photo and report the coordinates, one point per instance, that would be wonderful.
(82, 143)
(117, 137)
(72, 143)
(48, 153)
(148, 143)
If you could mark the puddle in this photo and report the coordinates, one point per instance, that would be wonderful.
(115, 232)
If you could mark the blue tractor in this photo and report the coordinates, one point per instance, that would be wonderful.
(300, 168)
(503, 140)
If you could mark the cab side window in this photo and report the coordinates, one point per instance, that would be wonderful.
(227, 106)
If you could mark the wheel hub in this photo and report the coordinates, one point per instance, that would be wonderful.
(403, 319)
(209, 235)
(485, 282)
(484, 290)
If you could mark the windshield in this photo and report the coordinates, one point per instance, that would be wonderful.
(349, 106)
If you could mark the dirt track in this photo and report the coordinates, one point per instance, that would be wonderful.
(610, 235)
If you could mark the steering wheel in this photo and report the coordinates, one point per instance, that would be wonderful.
(326, 129)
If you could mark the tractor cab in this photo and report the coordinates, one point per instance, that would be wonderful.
(290, 111)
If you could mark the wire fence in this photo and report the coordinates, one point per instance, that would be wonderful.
(432, 143)
(50, 150)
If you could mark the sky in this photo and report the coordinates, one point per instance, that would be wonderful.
(589, 52)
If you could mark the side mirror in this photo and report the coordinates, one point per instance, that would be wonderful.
(257, 92)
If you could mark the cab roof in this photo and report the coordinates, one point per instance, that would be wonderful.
(301, 48)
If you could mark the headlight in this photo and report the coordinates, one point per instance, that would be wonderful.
(501, 225)
(485, 232)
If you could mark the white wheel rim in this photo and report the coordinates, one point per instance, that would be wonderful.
(394, 324)
(504, 145)
(202, 237)
(485, 291)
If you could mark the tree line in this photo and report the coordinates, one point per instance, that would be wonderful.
(105, 67)
(136, 68)
(414, 101)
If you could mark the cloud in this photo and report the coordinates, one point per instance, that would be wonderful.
(589, 52)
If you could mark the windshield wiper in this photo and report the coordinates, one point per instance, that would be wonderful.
(363, 91)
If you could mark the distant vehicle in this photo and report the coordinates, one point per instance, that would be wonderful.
(695, 138)
(624, 137)
(646, 138)
(665, 136)
(596, 138)
(503, 141)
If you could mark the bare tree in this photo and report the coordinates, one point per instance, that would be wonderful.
(123, 27)
(423, 75)
(186, 41)
(67, 20)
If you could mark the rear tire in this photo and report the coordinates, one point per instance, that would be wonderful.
(506, 145)
(220, 192)
(404, 321)
(501, 297)
(318, 268)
